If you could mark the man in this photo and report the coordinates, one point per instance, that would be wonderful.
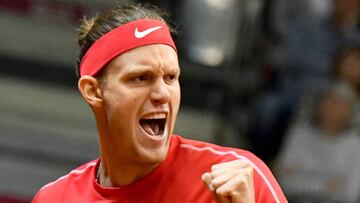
(129, 75)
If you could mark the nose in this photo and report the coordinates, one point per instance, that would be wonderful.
(160, 93)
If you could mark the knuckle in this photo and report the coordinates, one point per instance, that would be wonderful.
(241, 182)
(215, 183)
(249, 171)
(221, 192)
(238, 163)
(214, 167)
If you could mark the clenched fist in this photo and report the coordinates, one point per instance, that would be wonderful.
(231, 182)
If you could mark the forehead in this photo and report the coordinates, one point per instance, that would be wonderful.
(155, 55)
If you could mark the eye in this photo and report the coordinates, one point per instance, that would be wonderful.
(171, 77)
(141, 78)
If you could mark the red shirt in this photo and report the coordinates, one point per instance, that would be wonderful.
(177, 179)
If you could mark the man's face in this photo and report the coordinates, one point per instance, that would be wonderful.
(141, 99)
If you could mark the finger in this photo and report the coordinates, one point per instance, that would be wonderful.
(207, 180)
(219, 198)
(239, 189)
(219, 171)
(236, 162)
(231, 189)
(221, 168)
(222, 178)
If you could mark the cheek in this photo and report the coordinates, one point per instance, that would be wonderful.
(118, 106)
(120, 98)
(176, 97)
(176, 91)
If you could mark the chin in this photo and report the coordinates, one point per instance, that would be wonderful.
(154, 156)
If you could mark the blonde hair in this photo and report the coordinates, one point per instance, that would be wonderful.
(84, 29)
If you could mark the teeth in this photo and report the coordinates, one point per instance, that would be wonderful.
(155, 116)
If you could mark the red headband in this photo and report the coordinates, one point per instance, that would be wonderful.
(124, 38)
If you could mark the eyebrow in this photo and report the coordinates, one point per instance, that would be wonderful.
(139, 71)
(149, 70)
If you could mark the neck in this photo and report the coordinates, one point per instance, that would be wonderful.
(117, 173)
(116, 169)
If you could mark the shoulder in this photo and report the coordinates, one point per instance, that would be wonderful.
(265, 184)
(77, 177)
(213, 150)
(214, 153)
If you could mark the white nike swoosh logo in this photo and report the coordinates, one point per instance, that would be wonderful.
(142, 34)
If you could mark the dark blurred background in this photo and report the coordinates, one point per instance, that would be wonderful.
(252, 71)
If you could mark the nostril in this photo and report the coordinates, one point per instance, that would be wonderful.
(160, 95)
(162, 100)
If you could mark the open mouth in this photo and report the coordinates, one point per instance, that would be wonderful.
(153, 126)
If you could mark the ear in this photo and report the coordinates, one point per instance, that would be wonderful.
(89, 88)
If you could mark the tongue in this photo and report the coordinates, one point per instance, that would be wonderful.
(151, 129)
